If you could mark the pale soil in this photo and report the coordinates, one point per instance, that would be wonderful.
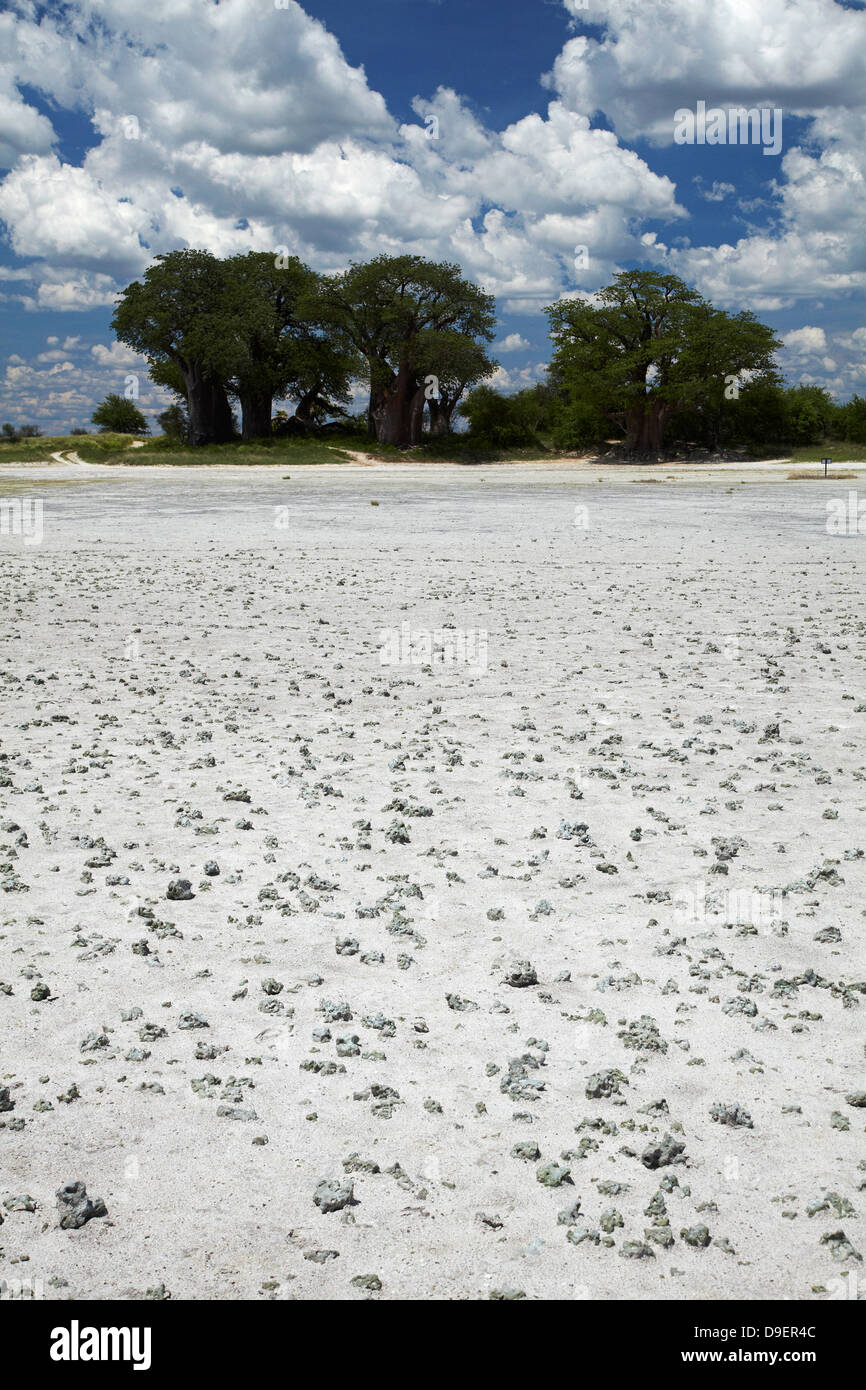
(576, 471)
(177, 637)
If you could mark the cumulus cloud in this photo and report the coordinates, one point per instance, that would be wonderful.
(512, 342)
(23, 129)
(660, 55)
(802, 56)
(237, 125)
(805, 341)
(716, 193)
(59, 387)
(298, 152)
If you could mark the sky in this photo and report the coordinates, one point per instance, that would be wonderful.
(530, 141)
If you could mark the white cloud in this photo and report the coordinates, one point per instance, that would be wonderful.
(660, 55)
(59, 393)
(715, 194)
(23, 129)
(297, 152)
(252, 130)
(512, 342)
(803, 56)
(805, 341)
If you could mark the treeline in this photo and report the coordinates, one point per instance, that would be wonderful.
(766, 413)
(12, 434)
(646, 363)
(254, 328)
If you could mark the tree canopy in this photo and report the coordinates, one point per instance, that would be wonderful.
(410, 319)
(120, 415)
(647, 348)
(178, 316)
(646, 358)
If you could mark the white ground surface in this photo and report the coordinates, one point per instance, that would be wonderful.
(180, 636)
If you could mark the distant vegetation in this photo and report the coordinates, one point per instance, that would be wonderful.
(644, 367)
(118, 415)
(11, 434)
(251, 329)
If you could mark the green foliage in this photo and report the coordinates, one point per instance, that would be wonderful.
(410, 319)
(810, 413)
(766, 414)
(179, 317)
(174, 422)
(577, 426)
(13, 433)
(648, 348)
(178, 311)
(278, 350)
(496, 419)
(118, 415)
(851, 420)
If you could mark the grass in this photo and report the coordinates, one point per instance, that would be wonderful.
(452, 448)
(117, 448)
(337, 447)
(93, 448)
(832, 449)
(332, 448)
(283, 452)
(801, 476)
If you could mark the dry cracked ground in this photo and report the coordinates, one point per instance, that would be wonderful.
(335, 979)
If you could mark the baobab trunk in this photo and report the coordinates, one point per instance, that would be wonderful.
(645, 428)
(210, 416)
(416, 415)
(221, 412)
(394, 414)
(440, 418)
(373, 412)
(304, 408)
(256, 411)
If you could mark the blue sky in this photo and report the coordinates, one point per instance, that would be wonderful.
(501, 134)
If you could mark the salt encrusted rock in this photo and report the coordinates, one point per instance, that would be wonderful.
(643, 1035)
(334, 1194)
(552, 1175)
(636, 1250)
(569, 1216)
(660, 1155)
(189, 1021)
(179, 890)
(526, 1149)
(75, 1207)
(521, 975)
(840, 1246)
(605, 1083)
(698, 1236)
(731, 1113)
